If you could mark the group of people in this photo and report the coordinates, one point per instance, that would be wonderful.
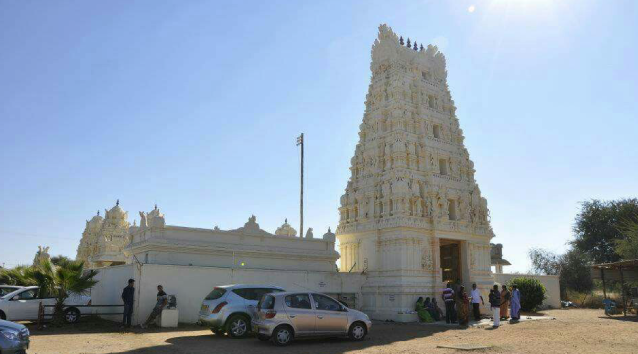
(128, 297)
(501, 301)
(457, 304)
(428, 310)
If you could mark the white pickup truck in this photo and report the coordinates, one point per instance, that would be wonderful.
(23, 305)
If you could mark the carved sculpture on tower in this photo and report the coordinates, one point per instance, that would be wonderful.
(286, 230)
(412, 215)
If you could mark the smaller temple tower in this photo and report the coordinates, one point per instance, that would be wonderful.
(104, 239)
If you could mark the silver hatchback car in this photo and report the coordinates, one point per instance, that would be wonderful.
(281, 317)
(230, 308)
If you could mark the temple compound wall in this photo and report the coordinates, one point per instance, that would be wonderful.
(190, 262)
(190, 284)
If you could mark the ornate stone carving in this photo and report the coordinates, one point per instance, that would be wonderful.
(41, 255)
(286, 230)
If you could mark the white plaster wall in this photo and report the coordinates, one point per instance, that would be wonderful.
(550, 282)
(108, 290)
(191, 284)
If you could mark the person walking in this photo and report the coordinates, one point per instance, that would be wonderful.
(495, 303)
(505, 302)
(162, 300)
(516, 303)
(448, 299)
(128, 297)
(476, 296)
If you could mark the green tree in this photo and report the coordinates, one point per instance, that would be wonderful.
(63, 279)
(572, 267)
(627, 247)
(598, 227)
(59, 259)
(20, 275)
(57, 280)
(532, 292)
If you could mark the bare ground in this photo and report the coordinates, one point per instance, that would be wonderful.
(573, 331)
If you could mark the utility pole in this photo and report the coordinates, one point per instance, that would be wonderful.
(300, 142)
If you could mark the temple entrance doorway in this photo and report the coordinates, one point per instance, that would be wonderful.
(450, 253)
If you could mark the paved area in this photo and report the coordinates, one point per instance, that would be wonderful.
(573, 331)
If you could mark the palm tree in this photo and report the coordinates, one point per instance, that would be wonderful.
(20, 275)
(61, 280)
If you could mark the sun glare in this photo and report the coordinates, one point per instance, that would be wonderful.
(471, 8)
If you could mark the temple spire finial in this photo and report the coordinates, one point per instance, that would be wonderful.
(117, 202)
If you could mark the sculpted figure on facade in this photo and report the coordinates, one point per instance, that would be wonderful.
(286, 230)
(41, 255)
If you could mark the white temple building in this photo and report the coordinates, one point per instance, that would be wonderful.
(412, 216)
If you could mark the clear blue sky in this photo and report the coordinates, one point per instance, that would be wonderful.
(196, 105)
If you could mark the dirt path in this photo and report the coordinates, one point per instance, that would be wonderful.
(573, 331)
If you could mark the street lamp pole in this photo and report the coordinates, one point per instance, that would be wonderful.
(300, 142)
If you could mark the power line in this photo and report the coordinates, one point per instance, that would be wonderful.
(23, 234)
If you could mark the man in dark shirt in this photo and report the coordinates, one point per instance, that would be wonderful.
(128, 297)
(495, 303)
(162, 300)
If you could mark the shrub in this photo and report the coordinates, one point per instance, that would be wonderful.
(532, 292)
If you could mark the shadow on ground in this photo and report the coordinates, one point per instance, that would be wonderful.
(628, 318)
(98, 325)
(206, 343)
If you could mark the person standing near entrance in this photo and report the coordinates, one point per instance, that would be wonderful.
(476, 296)
(505, 302)
(516, 303)
(448, 299)
(495, 303)
(128, 297)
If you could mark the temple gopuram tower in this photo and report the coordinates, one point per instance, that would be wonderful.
(412, 216)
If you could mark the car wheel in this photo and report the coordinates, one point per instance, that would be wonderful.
(238, 326)
(263, 337)
(72, 315)
(219, 332)
(2, 316)
(282, 336)
(357, 331)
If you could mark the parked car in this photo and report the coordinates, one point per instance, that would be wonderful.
(281, 317)
(230, 308)
(5, 289)
(14, 338)
(24, 303)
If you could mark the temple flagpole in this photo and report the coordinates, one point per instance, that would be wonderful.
(300, 141)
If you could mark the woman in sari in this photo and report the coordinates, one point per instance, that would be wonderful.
(438, 310)
(505, 302)
(424, 315)
(516, 303)
(431, 309)
(463, 304)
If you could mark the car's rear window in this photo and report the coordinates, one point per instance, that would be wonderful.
(267, 302)
(216, 294)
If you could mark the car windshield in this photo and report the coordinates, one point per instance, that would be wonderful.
(216, 294)
(267, 302)
(7, 290)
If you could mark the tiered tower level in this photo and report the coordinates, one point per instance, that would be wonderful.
(412, 215)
